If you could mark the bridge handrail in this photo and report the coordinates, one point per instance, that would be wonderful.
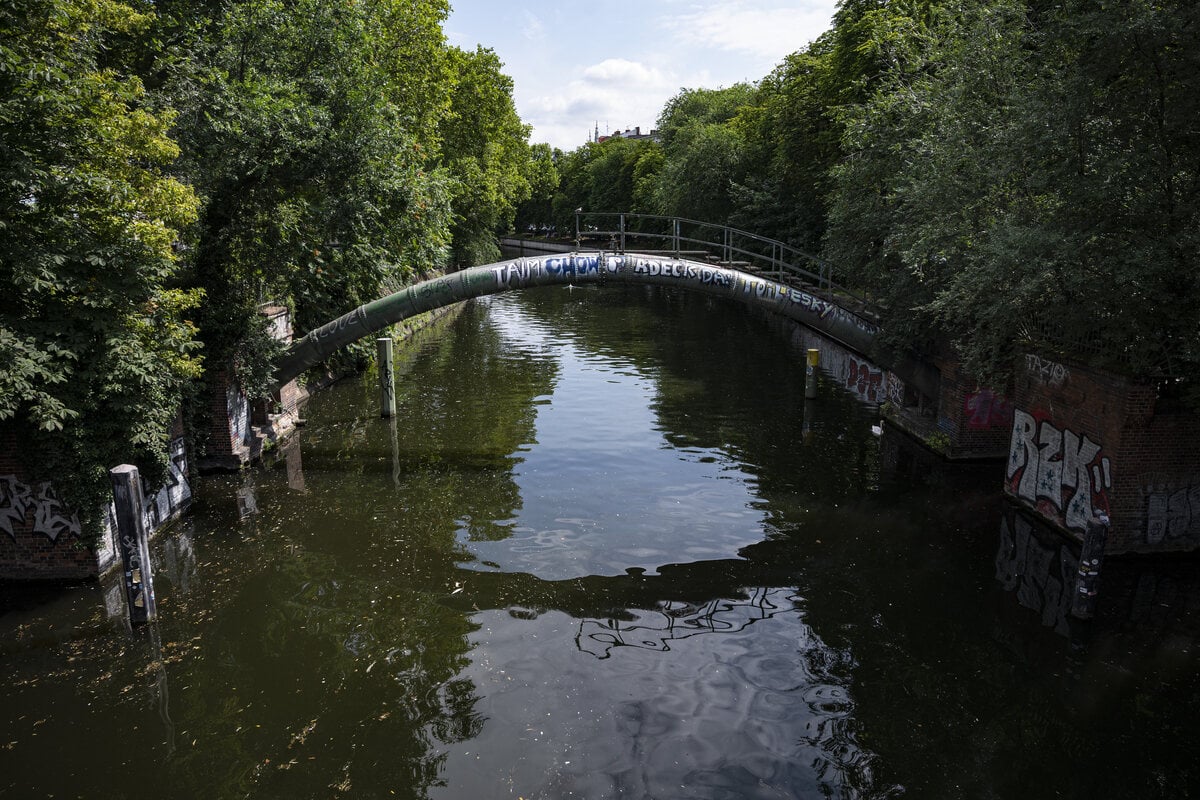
(781, 259)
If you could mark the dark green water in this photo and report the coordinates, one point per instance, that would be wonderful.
(607, 551)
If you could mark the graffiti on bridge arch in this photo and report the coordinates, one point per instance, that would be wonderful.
(577, 268)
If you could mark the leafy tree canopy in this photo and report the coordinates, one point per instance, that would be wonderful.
(95, 341)
(485, 147)
(167, 168)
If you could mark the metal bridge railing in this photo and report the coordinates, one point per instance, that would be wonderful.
(719, 243)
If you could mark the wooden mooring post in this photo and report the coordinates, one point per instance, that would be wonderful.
(134, 545)
(1091, 559)
(387, 378)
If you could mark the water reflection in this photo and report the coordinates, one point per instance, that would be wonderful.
(1039, 567)
(1146, 603)
(294, 461)
(607, 550)
(680, 620)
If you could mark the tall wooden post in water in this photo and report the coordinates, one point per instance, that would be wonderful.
(134, 544)
(387, 378)
(1091, 559)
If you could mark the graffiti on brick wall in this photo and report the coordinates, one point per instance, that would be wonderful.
(1064, 474)
(1049, 373)
(50, 517)
(158, 507)
(865, 381)
(15, 499)
(174, 495)
(1172, 513)
(986, 410)
(1040, 573)
(237, 407)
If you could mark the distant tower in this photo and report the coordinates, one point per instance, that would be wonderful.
(596, 134)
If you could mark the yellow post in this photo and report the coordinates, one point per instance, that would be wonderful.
(810, 379)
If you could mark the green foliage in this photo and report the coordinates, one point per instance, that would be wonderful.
(1028, 179)
(95, 341)
(310, 131)
(702, 152)
(544, 179)
(939, 442)
(485, 147)
(614, 175)
(323, 153)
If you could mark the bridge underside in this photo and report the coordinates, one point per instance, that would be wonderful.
(808, 309)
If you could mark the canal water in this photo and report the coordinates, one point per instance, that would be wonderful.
(607, 550)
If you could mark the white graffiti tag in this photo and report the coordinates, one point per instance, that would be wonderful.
(15, 500)
(50, 517)
(1059, 466)
(1172, 513)
(1050, 373)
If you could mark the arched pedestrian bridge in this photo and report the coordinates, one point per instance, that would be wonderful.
(601, 268)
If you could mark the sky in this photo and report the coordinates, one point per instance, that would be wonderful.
(617, 62)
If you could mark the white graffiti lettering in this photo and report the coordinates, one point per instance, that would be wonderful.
(50, 517)
(822, 308)
(1050, 373)
(1057, 466)
(340, 324)
(675, 269)
(1172, 513)
(762, 288)
(16, 498)
(517, 273)
(510, 273)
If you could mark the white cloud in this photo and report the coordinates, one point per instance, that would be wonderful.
(628, 75)
(614, 94)
(533, 29)
(576, 64)
(751, 27)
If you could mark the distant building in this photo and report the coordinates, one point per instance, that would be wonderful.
(636, 133)
(631, 133)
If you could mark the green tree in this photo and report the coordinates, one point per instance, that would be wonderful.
(1032, 182)
(485, 148)
(95, 342)
(793, 130)
(309, 129)
(615, 175)
(702, 152)
(537, 210)
(892, 55)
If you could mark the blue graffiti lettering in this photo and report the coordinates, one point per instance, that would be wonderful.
(560, 266)
(587, 265)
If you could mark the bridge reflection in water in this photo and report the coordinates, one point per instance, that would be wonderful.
(675, 620)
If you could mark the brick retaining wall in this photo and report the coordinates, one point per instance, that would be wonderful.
(1086, 440)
